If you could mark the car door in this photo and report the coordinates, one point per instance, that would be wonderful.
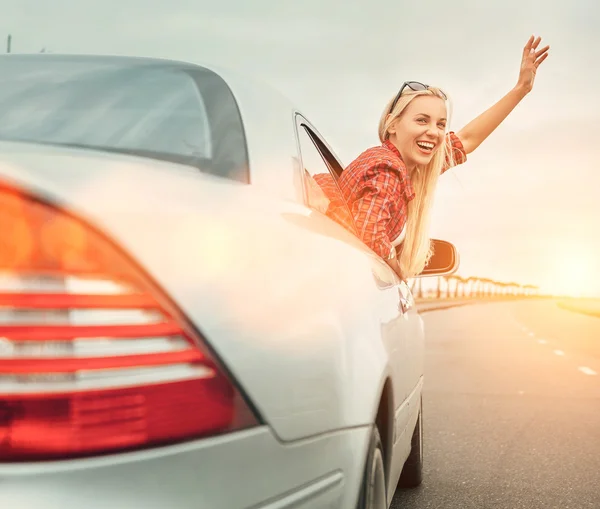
(320, 170)
(415, 342)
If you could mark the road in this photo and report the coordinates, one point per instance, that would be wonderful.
(512, 409)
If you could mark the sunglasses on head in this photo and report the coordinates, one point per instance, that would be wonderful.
(413, 85)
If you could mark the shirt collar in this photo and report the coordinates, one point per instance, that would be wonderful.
(408, 189)
(389, 145)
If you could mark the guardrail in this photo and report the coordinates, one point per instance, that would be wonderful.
(458, 287)
(445, 292)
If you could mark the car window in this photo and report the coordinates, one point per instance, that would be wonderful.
(144, 110)
(322, 190)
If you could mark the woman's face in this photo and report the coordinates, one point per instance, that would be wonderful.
(420, 130)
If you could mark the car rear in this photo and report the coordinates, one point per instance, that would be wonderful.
(109, 395)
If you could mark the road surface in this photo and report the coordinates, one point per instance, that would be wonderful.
(512, 409)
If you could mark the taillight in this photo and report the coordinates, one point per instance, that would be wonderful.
(94, 358)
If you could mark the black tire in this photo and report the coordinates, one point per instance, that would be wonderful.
(412, 472)
(373, 493)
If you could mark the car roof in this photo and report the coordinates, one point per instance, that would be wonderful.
(117, 59)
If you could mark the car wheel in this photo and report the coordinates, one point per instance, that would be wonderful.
(412, 472)
(373, 493)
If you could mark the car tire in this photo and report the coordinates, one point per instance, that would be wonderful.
(412, 472)
(373, 493)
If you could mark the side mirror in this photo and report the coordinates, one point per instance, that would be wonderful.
(444, 260)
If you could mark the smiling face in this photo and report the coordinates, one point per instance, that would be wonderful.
(420, 130)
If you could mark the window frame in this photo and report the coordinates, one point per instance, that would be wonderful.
(330, 161)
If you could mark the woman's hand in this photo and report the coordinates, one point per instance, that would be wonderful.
(532, 58)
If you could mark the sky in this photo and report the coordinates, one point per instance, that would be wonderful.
(525, 206)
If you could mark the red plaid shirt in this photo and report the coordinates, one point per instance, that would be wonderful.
(377, 188)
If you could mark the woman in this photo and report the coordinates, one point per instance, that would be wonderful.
(390, 187)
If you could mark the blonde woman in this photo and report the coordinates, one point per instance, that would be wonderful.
(390, 188)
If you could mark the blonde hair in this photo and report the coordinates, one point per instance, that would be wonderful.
(416, 248)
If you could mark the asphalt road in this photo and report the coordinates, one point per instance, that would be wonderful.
(511, 409)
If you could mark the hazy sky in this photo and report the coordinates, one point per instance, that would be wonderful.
(526, 205)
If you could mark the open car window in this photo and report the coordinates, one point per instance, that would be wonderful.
(320, 179)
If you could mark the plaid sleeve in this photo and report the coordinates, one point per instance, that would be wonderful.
(459, 156)
(336, 208)
(317, 197)
(371, 208)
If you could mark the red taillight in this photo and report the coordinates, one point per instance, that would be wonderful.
(93, 357)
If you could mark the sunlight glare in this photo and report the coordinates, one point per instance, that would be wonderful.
(573, 272)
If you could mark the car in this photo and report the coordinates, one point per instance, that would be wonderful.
(187, 316)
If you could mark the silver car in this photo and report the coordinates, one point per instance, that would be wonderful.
(187, 317)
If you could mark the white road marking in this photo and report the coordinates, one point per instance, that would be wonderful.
(542, 341)
(559, 352)
(587, 371)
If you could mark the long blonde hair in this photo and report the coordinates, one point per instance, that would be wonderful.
(416, 248)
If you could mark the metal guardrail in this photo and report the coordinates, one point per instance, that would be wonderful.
(458, 287)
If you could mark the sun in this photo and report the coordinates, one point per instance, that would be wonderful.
(573, 272)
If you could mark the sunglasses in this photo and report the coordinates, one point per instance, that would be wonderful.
(413, 85)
